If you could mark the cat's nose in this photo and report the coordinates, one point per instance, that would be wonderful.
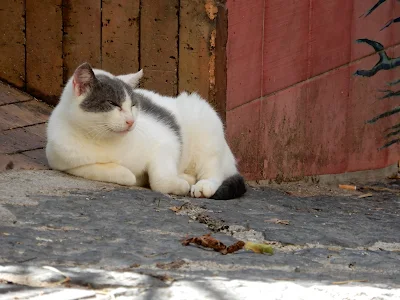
(129, 123)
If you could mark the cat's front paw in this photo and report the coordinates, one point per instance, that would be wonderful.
(183, 187)
(127, 181)
(124, 177)
(203, 189)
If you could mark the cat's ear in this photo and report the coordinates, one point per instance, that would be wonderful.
(83, 79)
(132, 79)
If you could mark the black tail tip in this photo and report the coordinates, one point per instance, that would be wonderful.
(232, 187)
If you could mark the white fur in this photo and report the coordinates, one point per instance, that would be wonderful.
(149, 148)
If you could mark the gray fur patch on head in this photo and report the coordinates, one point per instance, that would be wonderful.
(159, 113)
(106, 94)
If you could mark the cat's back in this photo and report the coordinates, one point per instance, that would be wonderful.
(166, 102)
(196, 112)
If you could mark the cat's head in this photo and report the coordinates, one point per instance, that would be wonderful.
(103, 104)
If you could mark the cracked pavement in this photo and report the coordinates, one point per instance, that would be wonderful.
(339, 246)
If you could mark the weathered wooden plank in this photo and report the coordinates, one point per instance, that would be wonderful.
(219, 102)
(12, 42)
(44, 49)
(37, 156)
(38, 130)
(158, 45)
(197, 46)
(23, 114)
(120, 36)
(40, 109)
(22, 139)
(20, 162)
(82, 34)
(10, 95)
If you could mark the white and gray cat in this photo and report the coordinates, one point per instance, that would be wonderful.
(104, 129)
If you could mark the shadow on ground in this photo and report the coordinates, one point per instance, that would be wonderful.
(50, 219)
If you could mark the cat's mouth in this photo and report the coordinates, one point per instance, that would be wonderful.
(125, 131)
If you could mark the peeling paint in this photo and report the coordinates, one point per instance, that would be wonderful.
(211, 9)
(211, 66)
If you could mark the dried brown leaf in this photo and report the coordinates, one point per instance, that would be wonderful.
(235, 247)
(207, 241)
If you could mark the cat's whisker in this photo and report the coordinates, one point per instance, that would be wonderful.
(97, 131)
(103, 122)
(141, 131)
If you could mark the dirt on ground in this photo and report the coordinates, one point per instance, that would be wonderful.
(309, 189)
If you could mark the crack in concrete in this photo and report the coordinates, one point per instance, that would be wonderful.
(239, 232)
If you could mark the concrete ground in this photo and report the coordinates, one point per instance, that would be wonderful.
(63, 237)
(68, 238)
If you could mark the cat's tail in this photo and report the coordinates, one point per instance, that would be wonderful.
(232, 187)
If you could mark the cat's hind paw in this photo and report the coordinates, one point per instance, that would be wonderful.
(203, 189)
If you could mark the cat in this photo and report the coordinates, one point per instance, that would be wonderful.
(106, 129)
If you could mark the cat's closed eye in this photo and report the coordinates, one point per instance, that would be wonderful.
(115, 104)
(133, 103)
(112, 103)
